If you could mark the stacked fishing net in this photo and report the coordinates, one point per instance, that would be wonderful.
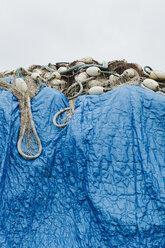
(84, 76)
(24, 88)
(77, 78)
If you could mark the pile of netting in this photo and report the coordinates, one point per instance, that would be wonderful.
(84, 76)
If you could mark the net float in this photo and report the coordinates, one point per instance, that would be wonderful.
(79, 63)
(21, 84)
(47, 75)
(150, 84)
(130, 73)
(35, 75)
(81, 77)
(62, 69)
(93, 71)
(56, 75)
(154, 74)
(96, 90)
(157, 75)
(86, 60)
(112, 80)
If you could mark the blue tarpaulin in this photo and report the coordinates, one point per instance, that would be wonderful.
(99, 182)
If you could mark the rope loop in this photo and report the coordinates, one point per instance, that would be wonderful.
(58, 115)
(37, 141)
(148, 69)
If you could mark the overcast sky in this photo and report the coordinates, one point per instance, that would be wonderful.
(39, 31)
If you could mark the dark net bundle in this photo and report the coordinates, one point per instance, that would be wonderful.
(119, 66)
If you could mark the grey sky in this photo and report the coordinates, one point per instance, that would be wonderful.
(39, 32)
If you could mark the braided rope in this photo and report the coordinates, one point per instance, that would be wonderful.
(26, 116)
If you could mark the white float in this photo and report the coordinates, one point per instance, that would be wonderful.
(130, 72)
(86, 60)
(21, 84)
(62, 69)
(81, 77)
(93, 71)
(96, 90)
(35, 75)
(150, 84)
(56, 75)
(157, 75)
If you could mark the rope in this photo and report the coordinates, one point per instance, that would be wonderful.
(83, 66)
(80, 84)
(58, 114)
(18, 72)
(110, 73)
(22, 132)
(39, 83)
(26, 118)
(146, 68)
(72, 87)
(49, 69)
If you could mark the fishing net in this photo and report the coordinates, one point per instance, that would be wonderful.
(73, 80)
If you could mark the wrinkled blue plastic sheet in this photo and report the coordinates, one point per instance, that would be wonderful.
(98, 183)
